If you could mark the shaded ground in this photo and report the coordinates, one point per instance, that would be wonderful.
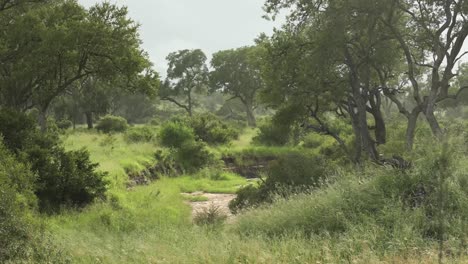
(219, 200)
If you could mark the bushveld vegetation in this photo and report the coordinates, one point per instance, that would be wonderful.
(360, 154)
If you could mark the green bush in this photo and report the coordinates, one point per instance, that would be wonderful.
(64, 124)
(66, 179)
(271, 134)
(140, 134)
(209, 128)
(63, 178)
(110, 124)
(174, 134)
(17, 200)
(289, 174)
(193, 156)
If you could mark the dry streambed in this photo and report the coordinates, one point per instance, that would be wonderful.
(200, 201)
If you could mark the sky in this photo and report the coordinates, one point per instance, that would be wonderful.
(210, 25)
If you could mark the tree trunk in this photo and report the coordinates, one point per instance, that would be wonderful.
(43, 120)
(89, 119)
(380, 128)
(411, 129)
(190, 104)
(251, 121)
(433, 123)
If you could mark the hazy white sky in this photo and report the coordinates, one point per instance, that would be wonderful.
(211, 25)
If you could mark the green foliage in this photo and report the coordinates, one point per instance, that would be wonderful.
(17, 129)
(392, 206)
(16, 202)
(209, 128)
(140, 134)
(283, 128)
(63, 178)
(111, 124)
(271, 134)
(187, 73)
(289, 174)
(73, 183)
(64, 124)
(175, 134)
(193, 156)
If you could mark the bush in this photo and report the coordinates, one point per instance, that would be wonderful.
(63, 178)
(209, 128)
(17, 200)
(110, 124)
(140, 134)
(64, 124)
(211, 216)
(193, 155)
(175, 134)
(271, 134)
(66, 179)
(291, 173)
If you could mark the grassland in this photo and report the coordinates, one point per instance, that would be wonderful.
(152, 224)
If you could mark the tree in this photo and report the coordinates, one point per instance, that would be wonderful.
(70, 44)
(327, 58)
(237, 72)
(187, 74)
(431, 42)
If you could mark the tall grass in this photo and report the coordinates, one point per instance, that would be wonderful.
(362, 218)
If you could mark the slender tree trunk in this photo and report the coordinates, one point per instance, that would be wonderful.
(190, 104)
(433, 123)
(380, 128)
(89, 119)
(43, 120)
(411, 129)
(251, 121)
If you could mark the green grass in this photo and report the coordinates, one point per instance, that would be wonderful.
(152, 224)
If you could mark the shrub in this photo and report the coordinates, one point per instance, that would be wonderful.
(210, 216)
(66, 179)
(175, 134)
(16, 202)
(209, 128)
(193, 155)
(140, 134)
(64, 124)
(110, 124)
(63, 178)
(271, 134)
(290, 173)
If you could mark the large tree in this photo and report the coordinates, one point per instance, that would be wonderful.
(63, 44)
(430, 35)
(328, 56)
(237, 72)
(187, 74)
